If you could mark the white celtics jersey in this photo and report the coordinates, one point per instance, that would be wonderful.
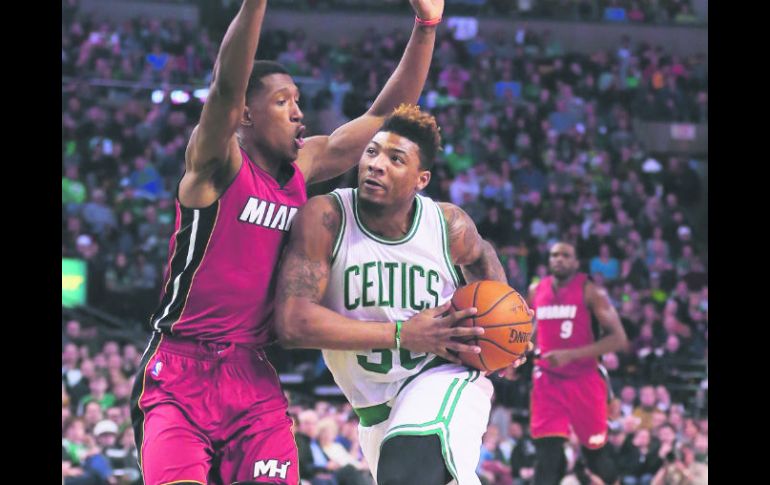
(376, 279)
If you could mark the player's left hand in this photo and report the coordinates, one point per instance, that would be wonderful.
(428, 9)
(558, 358)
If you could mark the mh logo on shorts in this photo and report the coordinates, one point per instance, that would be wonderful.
(271, 468)
(597, 439)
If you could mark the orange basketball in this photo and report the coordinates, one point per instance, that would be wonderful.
(504, 314)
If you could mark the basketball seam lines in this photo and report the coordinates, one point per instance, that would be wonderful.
(509, 324)
(495, 304)
(498, 346)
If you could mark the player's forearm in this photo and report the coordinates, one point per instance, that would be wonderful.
(607, 344)
(486, 267)
(301, 323)
(236, 55)
(407, 81)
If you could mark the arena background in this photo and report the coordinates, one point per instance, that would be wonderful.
(582, 120)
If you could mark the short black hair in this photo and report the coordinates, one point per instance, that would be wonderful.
(408, 121)
(260, 70)
(574, 247)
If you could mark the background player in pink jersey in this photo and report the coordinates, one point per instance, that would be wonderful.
(569, 386)
(207, 406)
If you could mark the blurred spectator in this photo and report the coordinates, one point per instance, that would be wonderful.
(92, 414)
(541, 145)
(131, 359)
(666, 436)
(517, 279)
(312, 460)
(682, 468)
(118, 452)
(97, 214)
(508, 442)
(605, 264)
(347, 469)
(492, 465)
(82, 461)
(646, 406)
(496, 229)
(98, 387)
(459, 161)
(143, 274)
(73, 191)
(663, 398)
(639, 462)
(145, 179)
(523, 460)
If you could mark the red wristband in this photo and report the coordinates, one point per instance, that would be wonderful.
(427, 23)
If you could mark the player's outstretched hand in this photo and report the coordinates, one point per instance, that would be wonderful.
(428, 9)
(433, 331)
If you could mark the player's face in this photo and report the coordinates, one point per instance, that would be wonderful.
(389, 171)
(275, 117)
(562, 261)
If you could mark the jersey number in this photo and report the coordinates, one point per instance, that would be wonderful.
(566, 329)
(408, 360)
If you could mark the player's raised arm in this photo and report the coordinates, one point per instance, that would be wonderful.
(474, 255)
(212, 157)
(302, 322)
(325, 157)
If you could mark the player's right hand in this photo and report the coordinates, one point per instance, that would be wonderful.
(433, 331)
(428, 9)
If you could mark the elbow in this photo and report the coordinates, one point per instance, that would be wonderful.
(288, 337)
(287, 328)
(623, 344)
(287, 340)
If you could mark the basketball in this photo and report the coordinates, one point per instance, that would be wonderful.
(506, 319)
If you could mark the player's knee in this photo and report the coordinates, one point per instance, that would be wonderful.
(412, 460)
(550, 462)
(601, 464)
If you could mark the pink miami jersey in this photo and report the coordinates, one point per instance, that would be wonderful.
(219, 283)
(563, 322)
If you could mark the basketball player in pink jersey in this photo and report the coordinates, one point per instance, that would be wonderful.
(569, 387)
(207, 407)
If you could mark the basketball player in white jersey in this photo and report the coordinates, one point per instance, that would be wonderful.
(370, 286)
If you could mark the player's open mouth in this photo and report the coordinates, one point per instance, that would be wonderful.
(372, 184)
(299, 141)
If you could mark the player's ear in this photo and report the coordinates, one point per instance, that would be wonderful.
(423, 180)
(246, 117)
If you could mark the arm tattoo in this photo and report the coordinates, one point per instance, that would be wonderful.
(332, 222)
(332, 218)
(486, 267)
(329, 223)
(456, 229)
(476, 256)
(301, 276)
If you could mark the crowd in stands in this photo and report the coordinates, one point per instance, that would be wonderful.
(539, 146)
